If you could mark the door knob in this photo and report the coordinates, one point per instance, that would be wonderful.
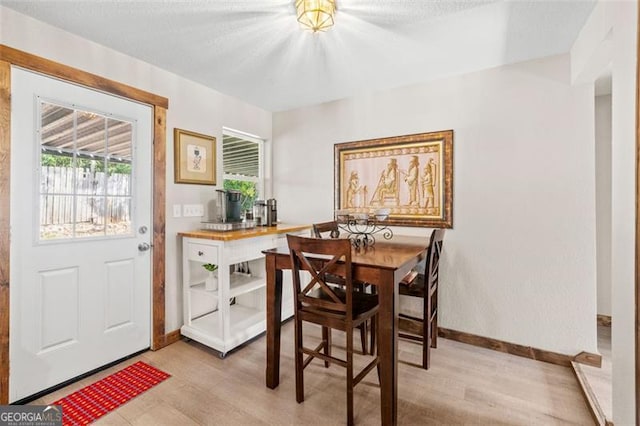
(143, 246)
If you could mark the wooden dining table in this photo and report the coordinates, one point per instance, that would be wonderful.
(382, 265)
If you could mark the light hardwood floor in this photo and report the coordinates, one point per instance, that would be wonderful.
(465, 385)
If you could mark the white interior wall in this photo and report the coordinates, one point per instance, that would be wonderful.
(519, 264)
(610, 35)
(623, 201)
(191, 106)
(603, 203)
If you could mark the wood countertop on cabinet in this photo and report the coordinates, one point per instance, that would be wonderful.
(239, 234)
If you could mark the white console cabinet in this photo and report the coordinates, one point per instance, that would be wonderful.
(236, 311)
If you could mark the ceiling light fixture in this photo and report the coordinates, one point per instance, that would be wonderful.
(316, 15)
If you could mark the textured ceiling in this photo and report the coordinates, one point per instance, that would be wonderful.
(254, 49)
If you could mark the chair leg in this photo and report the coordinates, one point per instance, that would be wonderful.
(360, 287)
(372, 338)
(434, 323)
(374, 348)
(426, 331)
(363, 337)
(426, 350)
(374, 325)
(434, 332)
(350, 376)
(326, 338)
(299, 363)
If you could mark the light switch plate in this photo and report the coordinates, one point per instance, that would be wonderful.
(192, 210)
(177, 210)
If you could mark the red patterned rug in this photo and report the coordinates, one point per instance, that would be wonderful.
(94, 401)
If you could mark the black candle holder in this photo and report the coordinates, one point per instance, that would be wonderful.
(362, 228)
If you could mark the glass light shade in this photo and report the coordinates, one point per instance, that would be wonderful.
(316, 15)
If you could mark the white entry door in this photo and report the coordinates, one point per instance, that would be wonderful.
(80, 231)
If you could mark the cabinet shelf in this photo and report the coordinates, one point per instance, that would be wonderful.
(244, 323)
(241, 284)
(244, 318)
(240, 318)
(209, 323)
(199, 288)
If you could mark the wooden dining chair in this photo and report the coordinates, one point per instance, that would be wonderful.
(424, 286)
(326, 229)
(328, 306)
(330, 230)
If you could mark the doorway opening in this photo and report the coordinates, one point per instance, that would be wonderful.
(600, 379)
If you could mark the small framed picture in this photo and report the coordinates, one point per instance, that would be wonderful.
(195, 157)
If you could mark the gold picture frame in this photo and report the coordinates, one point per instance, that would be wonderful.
(194, 157)
(411, 176)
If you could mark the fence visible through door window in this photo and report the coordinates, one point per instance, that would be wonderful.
(85, 173)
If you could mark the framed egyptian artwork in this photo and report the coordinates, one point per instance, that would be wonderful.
(194, 157)
(410, 176)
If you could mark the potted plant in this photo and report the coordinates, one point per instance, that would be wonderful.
(211, 282)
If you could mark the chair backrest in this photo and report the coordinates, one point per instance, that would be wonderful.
(433, 258)
(320, 229)
(320, 257)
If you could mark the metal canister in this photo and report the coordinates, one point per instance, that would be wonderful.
(272, 212)
(260, 212)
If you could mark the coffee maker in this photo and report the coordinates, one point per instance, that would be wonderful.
(229, 206)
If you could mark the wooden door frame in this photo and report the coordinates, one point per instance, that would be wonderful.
(9, 57)
(637, 257)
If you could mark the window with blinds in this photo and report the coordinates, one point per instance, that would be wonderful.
(242, 162)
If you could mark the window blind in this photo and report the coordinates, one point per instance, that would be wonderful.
(241, 157)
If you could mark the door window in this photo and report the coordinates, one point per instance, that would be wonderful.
(85, 173)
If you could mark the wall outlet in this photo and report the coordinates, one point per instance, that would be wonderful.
(192, 210)
(177, 210)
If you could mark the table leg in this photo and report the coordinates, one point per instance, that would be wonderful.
(388, 347)
(274, 316)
